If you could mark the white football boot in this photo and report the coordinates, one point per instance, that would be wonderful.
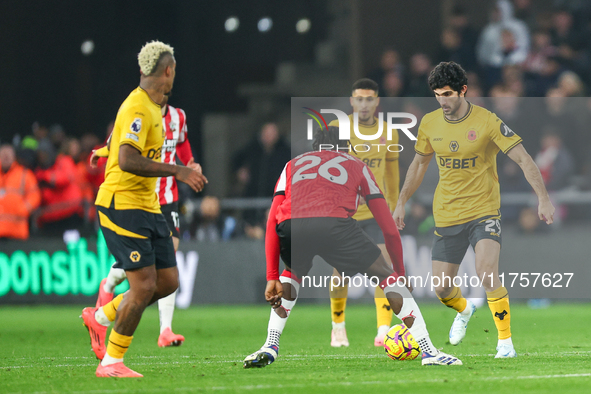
(506, 350)
(440, 359)
(262, 357)
(457, 332)
(338, 337)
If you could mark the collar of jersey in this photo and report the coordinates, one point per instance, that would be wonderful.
(462, 118)
(375, 122)
(141, 89)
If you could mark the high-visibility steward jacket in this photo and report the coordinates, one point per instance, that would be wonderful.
(61, 196)
(19, 196)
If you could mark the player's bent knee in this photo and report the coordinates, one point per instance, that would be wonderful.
(143, 288)
(291, 285)
(289, 292)
(166, 286)
(171, 288)
(443, 291)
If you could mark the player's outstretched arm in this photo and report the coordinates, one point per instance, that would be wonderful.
(414, 177)
(532, 173)
(381, 213)
(131, 160)
(97, 154)
(274, 289)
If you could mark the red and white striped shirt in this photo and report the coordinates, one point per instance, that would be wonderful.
(175, 144)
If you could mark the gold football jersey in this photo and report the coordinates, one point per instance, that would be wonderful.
(139, 124)
(466, 154)
(382, 162)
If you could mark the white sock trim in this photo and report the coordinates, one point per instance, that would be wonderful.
(507, 341)
(108, 360)
(277, 323)
(115, 276)
(383, 330)
(101, 317)
(166, 311)
(467, 310)
(293, 282)
(336, 326)
(410, 308)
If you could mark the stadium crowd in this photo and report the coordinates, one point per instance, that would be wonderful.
(46, 180)
(544, 56)
(48, 173)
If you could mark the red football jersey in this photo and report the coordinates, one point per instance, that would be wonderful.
(324, 184)
(176, 143)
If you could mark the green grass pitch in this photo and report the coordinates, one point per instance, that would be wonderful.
(45, 349)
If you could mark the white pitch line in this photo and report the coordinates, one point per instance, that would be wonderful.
(291, 357)
(330, 384)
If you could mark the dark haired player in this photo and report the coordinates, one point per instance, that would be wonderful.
(383, 164)
(466, 139)
(315, 198)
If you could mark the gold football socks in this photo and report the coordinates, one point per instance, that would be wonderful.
(110, 309)
(498, 302)
(455, 300)
(383, 310)
(116, 348)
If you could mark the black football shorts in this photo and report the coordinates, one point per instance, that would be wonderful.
(339, 241)
(137, 238)
(171, 214)
(451, 243)
(372, 228)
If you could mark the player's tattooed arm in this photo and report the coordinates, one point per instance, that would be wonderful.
(532, 173)
(414, 177)
(131, 160)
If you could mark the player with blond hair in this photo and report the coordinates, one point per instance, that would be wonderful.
(176, 144)
(129, 212)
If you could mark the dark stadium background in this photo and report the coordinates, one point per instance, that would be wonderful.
(241, 90)
(229, 84)
(46, 78)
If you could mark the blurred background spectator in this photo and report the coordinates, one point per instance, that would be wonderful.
(392, 85)
(61, 196)
(390, 62)
(512, 49)
(419, 221)
(504, 41)
(526, 11)
(207, 222)
(554, 161)
(19, 195)
(257, 167)
(458, 40)
(420, 67)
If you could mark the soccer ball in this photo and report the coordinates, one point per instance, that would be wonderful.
(400, 344)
